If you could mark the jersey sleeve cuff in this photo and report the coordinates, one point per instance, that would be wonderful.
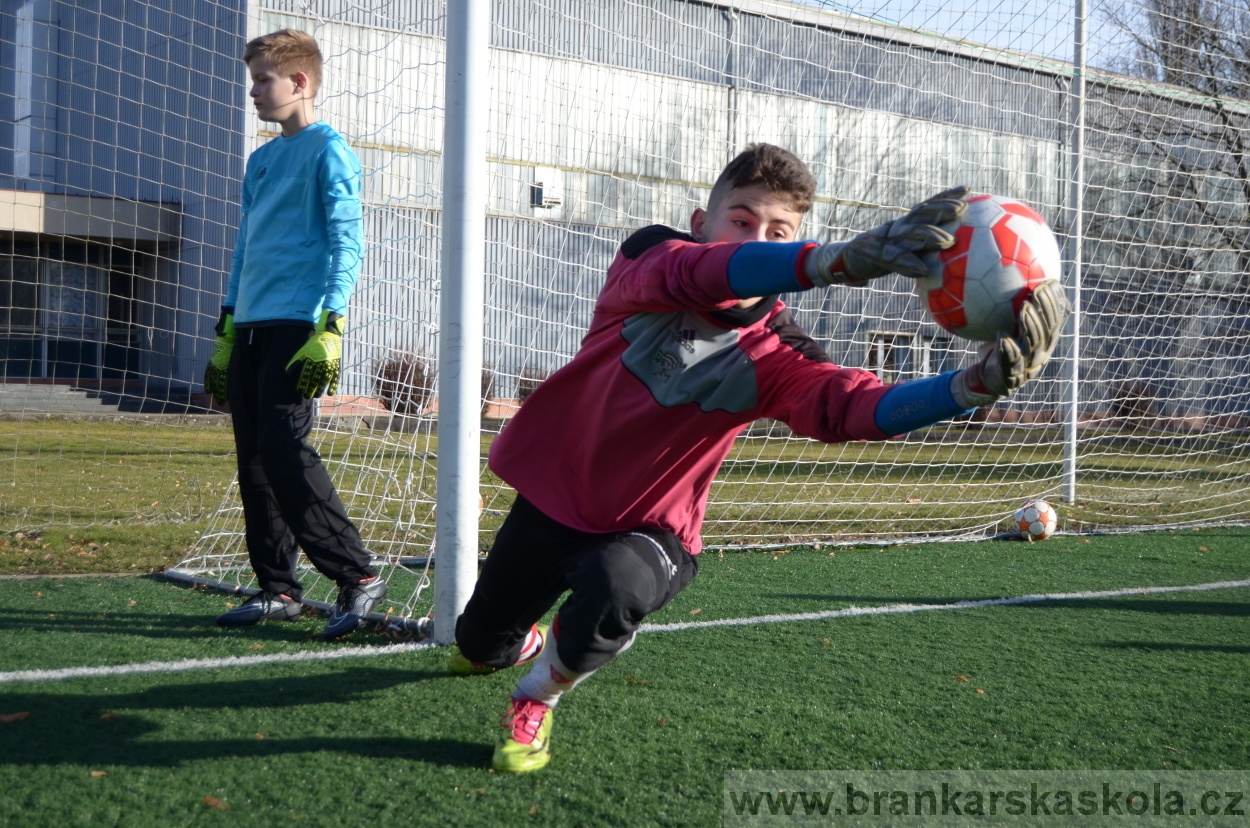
(916, 404)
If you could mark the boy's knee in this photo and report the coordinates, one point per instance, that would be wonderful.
(631, 578)
(620, 581)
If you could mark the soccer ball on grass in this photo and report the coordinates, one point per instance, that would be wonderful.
(1003, 250)
(1036, 520)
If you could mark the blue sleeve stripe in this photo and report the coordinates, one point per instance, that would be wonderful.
(915, 404)
(765, 269)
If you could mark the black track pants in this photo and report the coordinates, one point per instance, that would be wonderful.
(614, 580)
(289, 502)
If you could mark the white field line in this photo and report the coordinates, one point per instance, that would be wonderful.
(893, 609)
(399, 649)
(209, 663)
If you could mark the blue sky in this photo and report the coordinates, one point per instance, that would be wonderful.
(1031, 26)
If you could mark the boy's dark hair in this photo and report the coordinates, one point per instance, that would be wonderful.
(779, 170)
(289, 51)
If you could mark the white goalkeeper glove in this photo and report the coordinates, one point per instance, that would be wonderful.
(1010, 362)
(895, 247)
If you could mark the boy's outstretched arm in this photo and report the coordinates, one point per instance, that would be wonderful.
(894, 247)
(838, 410)
(660, 269)
(1001, 368)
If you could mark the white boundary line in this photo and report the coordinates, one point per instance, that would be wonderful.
(399, 649)
(209, 663)
(893, 609)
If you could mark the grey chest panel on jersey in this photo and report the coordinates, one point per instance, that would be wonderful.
(683, 358)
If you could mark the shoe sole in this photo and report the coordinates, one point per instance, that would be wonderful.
(260, 620)
(532, 764)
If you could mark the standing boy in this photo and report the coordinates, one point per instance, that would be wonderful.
(613, 456)
(279, 340)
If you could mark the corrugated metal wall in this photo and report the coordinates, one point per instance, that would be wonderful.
(638, 135)
(637, 105)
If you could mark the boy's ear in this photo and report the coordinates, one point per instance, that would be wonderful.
(301, 82)
(697, 219)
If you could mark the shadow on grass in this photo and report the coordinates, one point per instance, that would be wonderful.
(1230, 609)
(161, 625)
(1178, 648)
(67, 728)
(134, 751)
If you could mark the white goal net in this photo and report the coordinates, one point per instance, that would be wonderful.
(609, 115)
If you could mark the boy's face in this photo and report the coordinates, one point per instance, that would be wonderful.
(752, 213)
(277, 97)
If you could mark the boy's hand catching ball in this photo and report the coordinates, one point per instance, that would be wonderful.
(1009, 363)
(895, 247)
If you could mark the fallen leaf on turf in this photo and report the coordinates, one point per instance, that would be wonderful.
(214, 802)
(824, 642)
(979, 690)
(1174, 750)
(131, 603)
(260, 736)
(10, 718)
(914, 500)
(961, 678)
(533, 810)
(97, 774)
(696, 610)
(108, 717)
(38, 594)
(229, 605)
(1085, 540)
(662, 722)
(635, 681)
(258, 646)
(1203, 549)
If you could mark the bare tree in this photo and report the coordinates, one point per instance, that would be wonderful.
(1187, 137)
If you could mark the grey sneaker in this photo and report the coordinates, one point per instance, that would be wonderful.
(355, 601)
(263, 606)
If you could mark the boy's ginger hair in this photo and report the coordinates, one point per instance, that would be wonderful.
(778, 169)
(289, 51)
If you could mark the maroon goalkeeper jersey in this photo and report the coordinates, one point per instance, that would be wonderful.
(631, 432)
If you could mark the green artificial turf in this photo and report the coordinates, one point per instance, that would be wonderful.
(1142, 681)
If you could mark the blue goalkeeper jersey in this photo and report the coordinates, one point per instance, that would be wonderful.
(300, 239)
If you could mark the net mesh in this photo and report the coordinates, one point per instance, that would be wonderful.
(609, 115)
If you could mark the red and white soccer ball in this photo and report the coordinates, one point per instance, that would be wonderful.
(1003, 250)
(1036, 520)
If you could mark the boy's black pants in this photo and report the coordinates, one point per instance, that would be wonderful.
(288, 500)
(615, 579)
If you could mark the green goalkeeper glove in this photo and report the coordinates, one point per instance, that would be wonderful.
(321, 356)
(219, 362)
(1010, 362)
(895, 247)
